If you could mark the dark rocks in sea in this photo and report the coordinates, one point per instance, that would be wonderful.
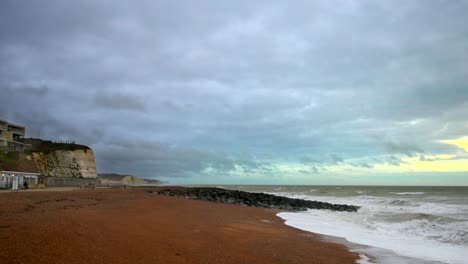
(252, 199)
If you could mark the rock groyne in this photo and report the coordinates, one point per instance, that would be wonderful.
(252, 199)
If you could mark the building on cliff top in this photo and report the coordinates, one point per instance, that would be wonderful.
(11, 136)
(62, 163)
(15, 169)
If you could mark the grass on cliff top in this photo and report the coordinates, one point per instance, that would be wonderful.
(49, 147)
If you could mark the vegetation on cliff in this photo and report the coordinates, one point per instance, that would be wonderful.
(46, 146)
(16, 161)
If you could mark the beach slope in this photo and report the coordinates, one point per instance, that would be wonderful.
(134, 226)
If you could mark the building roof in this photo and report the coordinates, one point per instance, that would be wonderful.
(10, 123)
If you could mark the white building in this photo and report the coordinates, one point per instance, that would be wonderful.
(8, 178)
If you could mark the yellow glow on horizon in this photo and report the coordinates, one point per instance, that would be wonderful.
(461, 142)
(441, 156)
(430, 163)
(429, 158)
(440, 166)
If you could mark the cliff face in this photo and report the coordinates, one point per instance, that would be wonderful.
(78, 163)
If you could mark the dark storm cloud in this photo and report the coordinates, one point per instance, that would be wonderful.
(336, 158)
(35, 108)
(362, 165)
(153, 159)
(394, 161)
(424, 158)
(407, 149)
(119, 101)
(320, 163)
(187, 88)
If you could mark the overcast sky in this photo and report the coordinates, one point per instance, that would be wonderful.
(301, 92)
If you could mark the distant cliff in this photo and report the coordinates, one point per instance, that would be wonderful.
(63, 159)
(118, 179)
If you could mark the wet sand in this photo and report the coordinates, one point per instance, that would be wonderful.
(133, 226)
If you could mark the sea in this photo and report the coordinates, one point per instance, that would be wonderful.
(395, 224)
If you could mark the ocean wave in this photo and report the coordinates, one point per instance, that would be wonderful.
(398, 202)
(408, 237)
(430, 229)
(403, 221)
(407, 193)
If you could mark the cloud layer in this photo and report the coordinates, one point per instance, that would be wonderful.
(263, 92)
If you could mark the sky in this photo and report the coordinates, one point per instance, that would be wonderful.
(246, 92)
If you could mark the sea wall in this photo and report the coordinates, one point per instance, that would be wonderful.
(69, 182)
(78, 163)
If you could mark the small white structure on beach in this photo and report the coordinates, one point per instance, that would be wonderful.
(15, 179)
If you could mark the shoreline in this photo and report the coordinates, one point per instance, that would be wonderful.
(131, 225)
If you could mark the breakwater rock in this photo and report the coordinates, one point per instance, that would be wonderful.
(252, 199)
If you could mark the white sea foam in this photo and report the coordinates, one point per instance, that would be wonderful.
(408, 193)
(406, 226)
(363, 259)
(333, 223)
